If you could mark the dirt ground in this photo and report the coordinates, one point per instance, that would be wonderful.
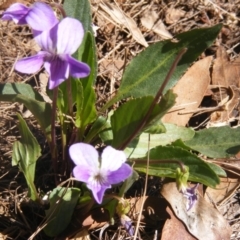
(118, 42)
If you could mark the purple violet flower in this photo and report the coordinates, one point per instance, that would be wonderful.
(58, 41)
(182, 176)
(40, 16)
(190, 194)
(99, 173)
(127, 224)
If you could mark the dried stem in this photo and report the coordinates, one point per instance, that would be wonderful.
(144, 193)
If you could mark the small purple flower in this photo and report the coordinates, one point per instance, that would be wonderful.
(127, 224)
(58, 41)
(40, 16)
(99, 173)
(190, 194)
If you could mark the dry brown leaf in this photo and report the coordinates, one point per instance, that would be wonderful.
(171, 225)
(223, 191)
(120, 17)
(228, 99)
(225, 80)
(151, 21)
(225, 73)
(202, 220)
(190, 90)
(173, 15)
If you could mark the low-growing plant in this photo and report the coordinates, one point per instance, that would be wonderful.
(68, 54)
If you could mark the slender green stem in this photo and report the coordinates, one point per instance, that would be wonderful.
(58, 6)
(69, 95)
(53, 133)
(155, 101)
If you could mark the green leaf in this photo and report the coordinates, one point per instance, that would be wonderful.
(23, 93)
(146, 72)
(9, 90)
(199, 171)
(216, 142)
(127, 118)
(62, 204)
(89, 113)
(139, 147)
(26, 151)
(79, 98)
(81, 10)
(99, 125)
(156, 128)
(128, 183)
(217, 169)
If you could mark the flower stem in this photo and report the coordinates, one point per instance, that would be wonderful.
(53, 133)
(69, 94)
(155, 101)
(60, 8)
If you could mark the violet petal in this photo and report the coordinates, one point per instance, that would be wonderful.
(127, 224)
(69, 36)
(82, 173)
(58, 71)
(84, 154)
(190, 194)
(31, 64)
(47, 40)
(41, 17)
(112, 159)
(16, 12)
(98, 191)
(78, 69)
(120, 174)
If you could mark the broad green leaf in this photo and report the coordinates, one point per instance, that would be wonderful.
(106, 135)
(26, 151)
(89, 113)
(81, 10)
(139, 147)
(146, 72)
(8, 90)
(180, 143)
(99, 125)
(216, 142)
(199, 171)
(127, 118)
(23, 93)
(156, 128)
(79, 102)
(217, 169)
(166, 102)
(62, 204)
